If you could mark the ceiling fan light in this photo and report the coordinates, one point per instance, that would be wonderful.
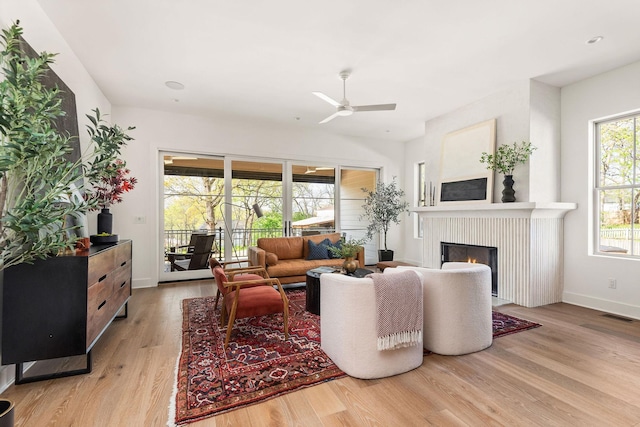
(344, 113)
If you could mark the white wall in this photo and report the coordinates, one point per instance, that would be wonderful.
(156, 131)
(414, 153)
(586, 276)
(527, 111)
(510, 108)
(40, 33)
(544, 164)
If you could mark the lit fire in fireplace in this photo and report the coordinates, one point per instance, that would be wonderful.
(472, 261)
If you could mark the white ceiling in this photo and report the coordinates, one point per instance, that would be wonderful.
(261, 59)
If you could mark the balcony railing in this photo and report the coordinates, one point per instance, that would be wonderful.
(241, 238)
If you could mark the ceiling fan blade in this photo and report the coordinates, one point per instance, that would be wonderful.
(326, 98)
(331, 117)
(379, 107)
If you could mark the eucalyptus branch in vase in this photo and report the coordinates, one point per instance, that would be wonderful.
(505, 160)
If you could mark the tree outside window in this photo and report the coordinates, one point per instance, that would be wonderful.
(618, 185)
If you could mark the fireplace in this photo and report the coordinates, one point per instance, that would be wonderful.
(488, 255)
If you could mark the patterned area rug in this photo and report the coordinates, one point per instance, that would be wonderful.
(258, 363)
(503, 324)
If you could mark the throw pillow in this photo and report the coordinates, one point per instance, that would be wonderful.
(318, 250)
(271, 258)
(337, 245)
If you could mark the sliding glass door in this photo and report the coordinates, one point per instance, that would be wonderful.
(352, 181)
(219, 206)
(312, 200)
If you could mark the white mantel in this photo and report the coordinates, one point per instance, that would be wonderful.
(528, 235)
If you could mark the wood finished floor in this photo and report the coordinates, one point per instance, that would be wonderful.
(579, 368)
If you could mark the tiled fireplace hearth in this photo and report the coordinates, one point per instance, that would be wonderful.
(529, 238)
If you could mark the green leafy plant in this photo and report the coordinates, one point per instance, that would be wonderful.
(347, 248)
(40, 188)
(382, 207)
(507, 157)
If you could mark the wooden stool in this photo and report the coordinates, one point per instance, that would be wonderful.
(384, 264)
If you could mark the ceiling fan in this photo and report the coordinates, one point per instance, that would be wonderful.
(344, 108)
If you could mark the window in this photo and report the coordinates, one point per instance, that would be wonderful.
(421, 197)
(617, 189)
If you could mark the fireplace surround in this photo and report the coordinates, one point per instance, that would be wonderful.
(528, 237)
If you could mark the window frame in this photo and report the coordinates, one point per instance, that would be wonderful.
(421, 196)
(598, 188)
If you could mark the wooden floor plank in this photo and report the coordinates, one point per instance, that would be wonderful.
(579, 368)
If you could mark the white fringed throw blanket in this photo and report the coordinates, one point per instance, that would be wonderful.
(399, 309)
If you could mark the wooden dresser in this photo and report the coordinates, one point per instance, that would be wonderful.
(60, 306)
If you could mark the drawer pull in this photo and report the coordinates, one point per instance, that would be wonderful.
(123, 283)
(102, 304)
(123, 263)
(102, 278)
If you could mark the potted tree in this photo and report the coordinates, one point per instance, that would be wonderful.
(382, 207)
(506, 158)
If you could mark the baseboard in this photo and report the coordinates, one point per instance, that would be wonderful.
(613, 307)
(143, 283)
(8, 375)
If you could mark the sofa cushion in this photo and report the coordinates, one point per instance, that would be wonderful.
(283, 247)
(318, 250)
(333, 237)
(271, 258)
(299, 267)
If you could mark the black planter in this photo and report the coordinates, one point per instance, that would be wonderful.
(385, 255)
(6, 413)
(105, 221)
(508, 193)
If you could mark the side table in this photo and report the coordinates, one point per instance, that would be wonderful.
(313, 288)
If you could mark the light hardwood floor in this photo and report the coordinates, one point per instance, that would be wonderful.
(579, 368)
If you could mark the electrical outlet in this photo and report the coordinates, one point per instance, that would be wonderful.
(612, 283)
(139, 219)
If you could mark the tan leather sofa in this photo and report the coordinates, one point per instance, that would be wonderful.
(287, 257)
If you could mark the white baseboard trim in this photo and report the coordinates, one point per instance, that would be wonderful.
(8, 375)
(143, 283)
(613, 307)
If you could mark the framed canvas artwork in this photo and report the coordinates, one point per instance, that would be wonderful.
(463, 179)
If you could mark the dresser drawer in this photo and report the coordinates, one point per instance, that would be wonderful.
(122, 255)
(98, 308)
(100, 265)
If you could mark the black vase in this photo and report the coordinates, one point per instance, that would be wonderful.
(105, 221)
(508, 193)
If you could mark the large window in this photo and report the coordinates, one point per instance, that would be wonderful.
(421, 197)
(618, 186)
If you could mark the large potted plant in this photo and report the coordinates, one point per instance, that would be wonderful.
(505, 160)
(382, 207)
(40, 187)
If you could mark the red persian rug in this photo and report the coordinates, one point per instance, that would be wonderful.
(503, 324)
(258, 363)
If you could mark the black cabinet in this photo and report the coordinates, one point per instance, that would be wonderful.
(60, 306)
